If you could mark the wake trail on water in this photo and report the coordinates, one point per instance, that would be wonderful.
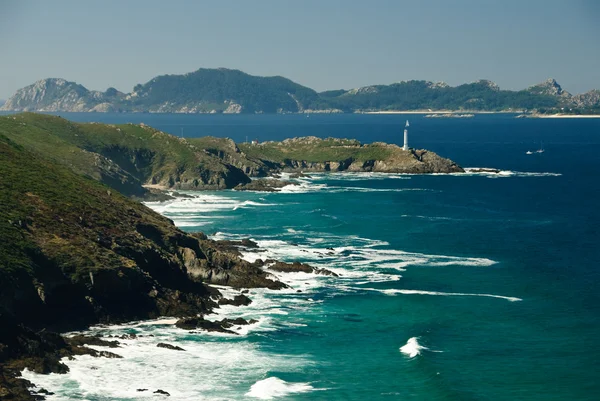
(394, 291)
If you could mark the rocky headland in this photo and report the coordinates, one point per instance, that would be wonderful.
(311, 154)
(77, 250)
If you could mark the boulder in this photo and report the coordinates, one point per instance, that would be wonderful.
(238, 300)
(298, 267)
(169, 346)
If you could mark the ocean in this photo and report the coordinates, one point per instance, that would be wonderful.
(472, 286)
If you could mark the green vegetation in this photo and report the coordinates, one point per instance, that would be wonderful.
(232, 91)
(213, 89)
(423, 95)
(315, 150)
(74, 251)
(123, 156)
(44, 206)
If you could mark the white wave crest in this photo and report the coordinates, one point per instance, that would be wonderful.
(412, 348)
(202, 372)
(273, 387)
(444, 294)
(495, 173)
(247, 203)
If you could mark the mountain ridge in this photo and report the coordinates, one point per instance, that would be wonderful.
(227, 91)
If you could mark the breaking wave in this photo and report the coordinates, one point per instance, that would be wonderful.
(274, 387)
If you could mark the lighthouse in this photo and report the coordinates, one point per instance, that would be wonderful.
(405, 147)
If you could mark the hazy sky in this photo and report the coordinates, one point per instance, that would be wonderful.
(321, 44)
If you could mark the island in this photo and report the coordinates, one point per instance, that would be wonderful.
(228, 91)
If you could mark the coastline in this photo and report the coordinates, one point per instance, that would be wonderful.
(564, 116)
(440, 112)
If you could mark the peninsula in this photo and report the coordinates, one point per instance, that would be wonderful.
(137, 159)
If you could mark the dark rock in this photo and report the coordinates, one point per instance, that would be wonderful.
(159, 391)
(154, 195)
(240, 321)
(291, 267)
(238, 300)
(264, 185)
(300, 267)
(81, 339)
(221, 326)
(192, 323)
(142, 389)
(326, 272)
(299, 175)
(484, 170)
(169, 346)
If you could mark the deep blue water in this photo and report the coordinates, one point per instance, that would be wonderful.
(529, 240)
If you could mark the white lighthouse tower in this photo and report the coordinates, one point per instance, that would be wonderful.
(405, 147)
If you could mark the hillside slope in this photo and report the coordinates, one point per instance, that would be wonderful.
(73, 252)
(124, 156)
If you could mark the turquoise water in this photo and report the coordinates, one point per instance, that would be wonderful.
(494, 276)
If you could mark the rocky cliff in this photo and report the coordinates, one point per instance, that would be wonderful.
(74, 252)
(332, 154)
(56, 94)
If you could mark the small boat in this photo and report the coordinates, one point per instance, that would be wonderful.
(541, 149)
(529, 152)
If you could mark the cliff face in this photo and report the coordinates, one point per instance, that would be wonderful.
(588, 99)
(74, 252)
(549, 87)
(56, 94)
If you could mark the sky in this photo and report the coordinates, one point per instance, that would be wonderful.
(324, 44)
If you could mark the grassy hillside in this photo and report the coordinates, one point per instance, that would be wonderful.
(74, 252)
(312, 149)
(123, 156)
(332, 154)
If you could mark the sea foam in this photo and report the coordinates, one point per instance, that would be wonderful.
(273, 387)
(443, 294)
(412, 348)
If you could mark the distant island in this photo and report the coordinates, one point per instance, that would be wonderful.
(449, 115)
(232, 91)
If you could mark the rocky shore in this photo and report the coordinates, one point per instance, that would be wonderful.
(75, 252)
